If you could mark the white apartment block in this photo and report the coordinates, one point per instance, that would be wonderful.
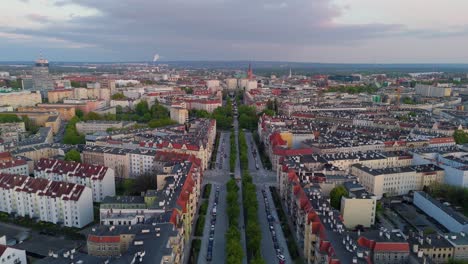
(100, 179)
(141, 162)
(17, 166)
(49, 201)
(399, 180)
(9, 255)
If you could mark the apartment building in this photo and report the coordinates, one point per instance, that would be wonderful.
(141, 162)
(321, 234)
(358, 207)
(100, 179)
(15, 166)
(58, 95)
(87, 127)
(117, 159)
(179, 114)
(198, 141)
(49, 201)
(435, 248)
(175, 197)
(11, 132)
(10, 255)
(19, 99)
(35, 153)
(399, 180)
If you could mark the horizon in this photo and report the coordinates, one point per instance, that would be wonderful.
(240, 61)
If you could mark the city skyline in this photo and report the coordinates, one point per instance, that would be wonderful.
(326, 31)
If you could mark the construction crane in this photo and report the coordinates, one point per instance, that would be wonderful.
(398, 91)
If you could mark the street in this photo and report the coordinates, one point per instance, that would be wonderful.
(218, 178)
(263, 179)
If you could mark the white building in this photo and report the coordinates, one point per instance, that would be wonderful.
(9, 255)
(100, 179)
(141, 162)
(17, 166)
(49, 201)
(212, 84)
(179, 114)
(399, 180)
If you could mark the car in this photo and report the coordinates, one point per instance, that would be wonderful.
(276, 245)
(281, 259)
(209, 255)
(272, 227)
(212, 227)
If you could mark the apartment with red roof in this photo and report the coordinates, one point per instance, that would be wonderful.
(100, 179)
(49, 201)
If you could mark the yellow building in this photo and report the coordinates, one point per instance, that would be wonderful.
(179, 114)
(358, 211)
(19, 99)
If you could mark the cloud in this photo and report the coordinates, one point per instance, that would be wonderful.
(206, 25)
(211, 29)
(37, 18)
(43, 41)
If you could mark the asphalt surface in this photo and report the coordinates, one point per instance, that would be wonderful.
(217, 177)
(263, 179)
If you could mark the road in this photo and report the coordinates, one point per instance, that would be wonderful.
(263, 179)
(238, 175)
(217, 177)
(59, 136)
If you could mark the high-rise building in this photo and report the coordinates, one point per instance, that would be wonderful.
(40, 76)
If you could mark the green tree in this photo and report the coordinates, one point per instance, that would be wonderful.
(73, 155)
(75, 84)
(29, 125)
(71, 135)
(118, 109)
(142, 108)
(460, 136)
(161, 122)
(408, 100)
(10, 118)
(223, 116)
(79, 113)
(118, 96)
(93, 116)
(159, 111)
(335, 196)
(199, 113)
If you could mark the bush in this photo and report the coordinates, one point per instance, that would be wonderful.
(207, 191)
(200, 225)
(234, 249)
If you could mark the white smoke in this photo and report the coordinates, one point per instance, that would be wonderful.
(156, 57)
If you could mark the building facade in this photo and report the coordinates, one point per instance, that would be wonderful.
(100, 179)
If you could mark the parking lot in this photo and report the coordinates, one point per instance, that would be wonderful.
(274, 247)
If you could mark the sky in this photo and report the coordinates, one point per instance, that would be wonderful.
(333, 31)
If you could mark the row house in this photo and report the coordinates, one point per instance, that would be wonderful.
(322, 236)
(15, 166)
(49, 201)
(118, 159)
(100, 179)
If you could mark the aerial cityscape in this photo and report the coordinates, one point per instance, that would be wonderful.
(238, 133)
